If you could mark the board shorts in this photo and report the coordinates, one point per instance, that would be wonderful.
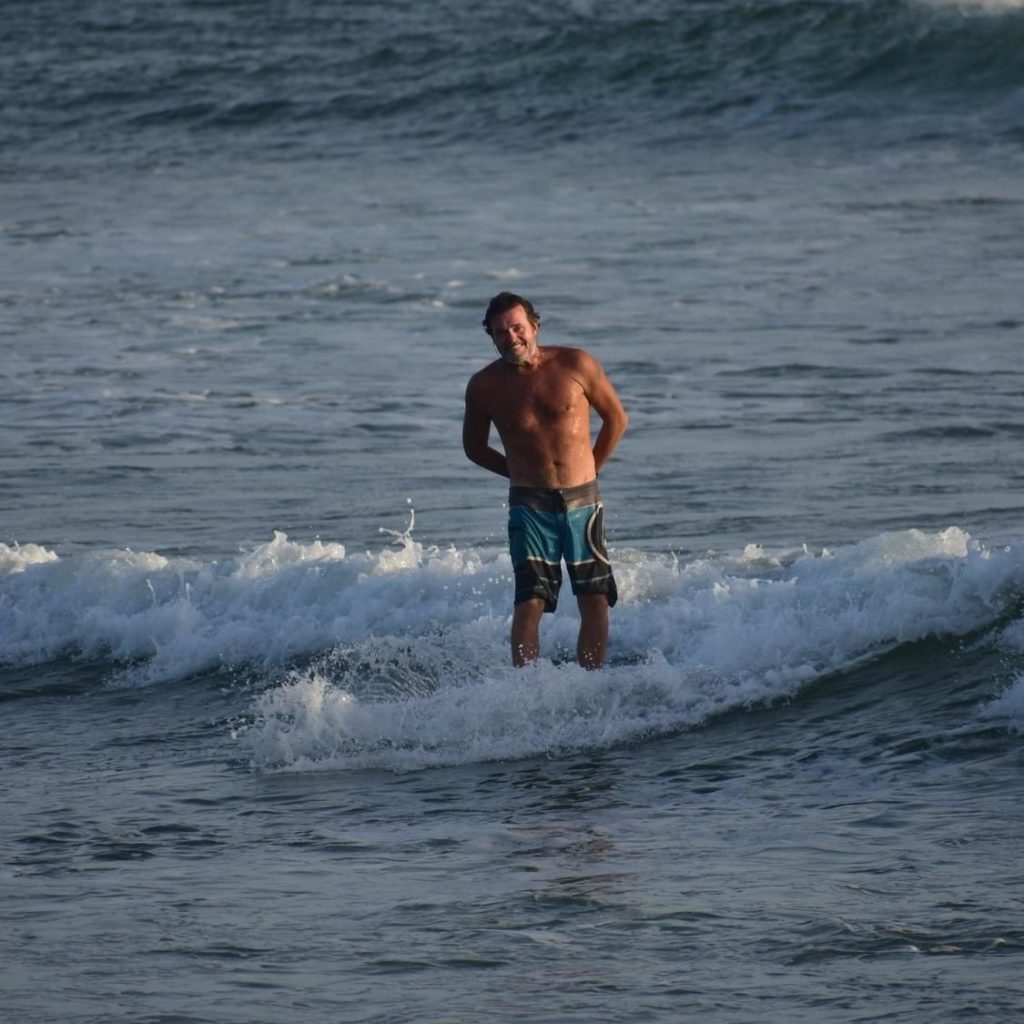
(545, 527)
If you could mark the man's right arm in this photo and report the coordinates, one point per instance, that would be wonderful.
(476, 433)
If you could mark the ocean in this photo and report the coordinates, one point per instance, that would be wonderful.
(264, 758)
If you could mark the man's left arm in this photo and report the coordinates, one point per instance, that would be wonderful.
(606, 403)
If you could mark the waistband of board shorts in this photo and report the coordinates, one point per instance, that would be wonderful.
(561, 499)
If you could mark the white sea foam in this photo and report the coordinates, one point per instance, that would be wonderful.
(402, 653)
(171, 618)
(17, 558)
(310, 721)
(701, 639)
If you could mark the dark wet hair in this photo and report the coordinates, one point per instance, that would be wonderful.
(503, 302)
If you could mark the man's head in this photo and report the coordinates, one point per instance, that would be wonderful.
(505, 301)
(513, 323)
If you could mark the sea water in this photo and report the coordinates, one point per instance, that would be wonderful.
(264, 757)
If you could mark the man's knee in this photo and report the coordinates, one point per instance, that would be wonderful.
(530, 610)
(592, 604)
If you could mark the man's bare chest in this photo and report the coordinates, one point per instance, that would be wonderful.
(541, 400)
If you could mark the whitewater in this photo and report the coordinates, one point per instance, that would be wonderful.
(401, 652)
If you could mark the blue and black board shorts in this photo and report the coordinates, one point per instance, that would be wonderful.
(545, 527)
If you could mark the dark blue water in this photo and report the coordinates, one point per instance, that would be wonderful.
(171, 80)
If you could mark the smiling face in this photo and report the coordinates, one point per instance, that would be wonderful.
(514, 336)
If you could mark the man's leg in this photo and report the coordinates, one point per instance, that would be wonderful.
(526, 631)
(593, 639)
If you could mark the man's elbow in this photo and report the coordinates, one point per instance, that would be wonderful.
(474, 452)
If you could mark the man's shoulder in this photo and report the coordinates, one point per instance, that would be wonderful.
(484, 377)
(567, 353)
(571, 360)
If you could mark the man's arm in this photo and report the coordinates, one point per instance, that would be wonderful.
(606, 403)
(476, 433)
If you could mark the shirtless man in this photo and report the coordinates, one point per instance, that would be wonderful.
(540, 400)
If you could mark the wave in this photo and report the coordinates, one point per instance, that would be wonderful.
(398, 658)
(456, 71)
(1008, 706)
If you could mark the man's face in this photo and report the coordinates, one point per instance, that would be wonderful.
(514, 336)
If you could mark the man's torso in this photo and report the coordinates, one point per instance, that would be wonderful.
(543, 419)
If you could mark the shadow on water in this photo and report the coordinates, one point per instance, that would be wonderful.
(64, 678)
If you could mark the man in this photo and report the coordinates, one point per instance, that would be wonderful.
(540, 398)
